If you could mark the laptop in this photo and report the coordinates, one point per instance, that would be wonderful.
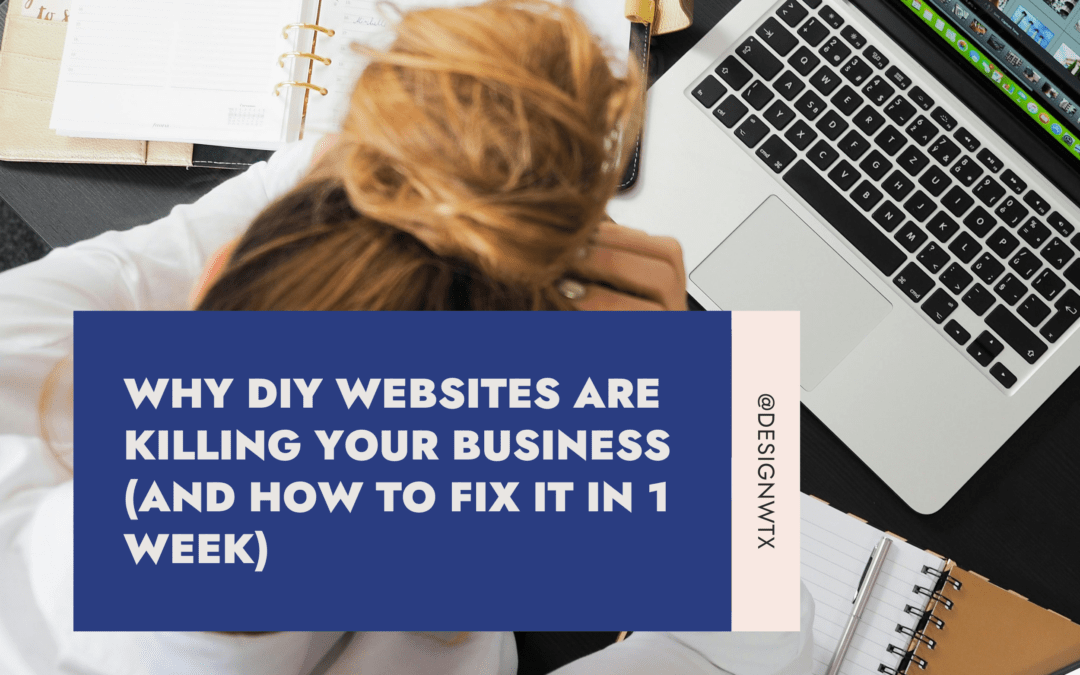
(806, 161)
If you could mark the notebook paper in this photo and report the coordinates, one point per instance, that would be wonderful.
(835, 549)
(179, 70)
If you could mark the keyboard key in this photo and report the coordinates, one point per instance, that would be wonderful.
(957, 201)
(730, 111)
(912, 160)
(942, 227)
(1002, 242)
(825, 81)
(868, 120)
(813, 31)
(812, 4)
(1035, 233)
(1012, 212)
(914, 283)
(810, 105)
(853, 37)
(878, 91)
(944, 151)
(804, 61)
(856, 70)
(776, 154)
(758, 57)
(935, 181)
(732, 71)
(878, 59)
(944, 119)
(875, 165)
(920, 206)
(709, 91)
(1048, 284)
(955, 278)
(1033, 310)
(1058, 222)
(788, 85)
(979, 221)
(834, 51)
(922, 130)
(778, 115)
(800, 135)
(964, 137)
(989, 160)
(1041, 206)
(830, 17)
(1002, 375)
(832, 125)
(985, 348)
(1057, 253)
(888, 216)
(988, 268)
(978, 299)
(1010, 289)
(911, 237)
(853, 145)
(933, 258)
(777, 37)
(898, 186)
(1067, 312)
(898, 77)
(844, 175)
(890, 140)
(1016, 334)
(1012, 181)
(939, 306)
(921, 98)
(966, 170)
(791, 13)
(866, 196)
(899, 111)
(822, 155)
(965, 247)
(845, 218)
(1025, 263)
(846, 100)
(1073, 273)
(957, 332)
(989, 191)
(751, 131)
(757, 94)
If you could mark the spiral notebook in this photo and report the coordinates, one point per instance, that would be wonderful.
(240, 73)
(925, 614)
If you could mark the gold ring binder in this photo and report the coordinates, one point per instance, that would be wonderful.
(305, 85)
(302, 55)
(285, 31)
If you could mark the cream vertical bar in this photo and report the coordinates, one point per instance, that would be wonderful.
(765, 471)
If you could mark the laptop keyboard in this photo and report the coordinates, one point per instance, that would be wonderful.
(957, 232)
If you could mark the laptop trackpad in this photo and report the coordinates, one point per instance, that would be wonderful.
(774, 261)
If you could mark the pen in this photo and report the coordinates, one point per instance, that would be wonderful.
(862, 595)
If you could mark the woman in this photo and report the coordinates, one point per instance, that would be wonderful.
(472, 173)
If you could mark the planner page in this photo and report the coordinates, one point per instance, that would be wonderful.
(835, 550)
(201, 71)
(364, 22)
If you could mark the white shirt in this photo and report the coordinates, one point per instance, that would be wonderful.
(154, 267)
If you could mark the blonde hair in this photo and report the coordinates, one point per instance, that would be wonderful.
(478, 155)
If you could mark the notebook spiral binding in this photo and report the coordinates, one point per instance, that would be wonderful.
(329, 32)
(917, 635)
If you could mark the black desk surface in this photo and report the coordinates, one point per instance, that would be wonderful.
(1017, 521)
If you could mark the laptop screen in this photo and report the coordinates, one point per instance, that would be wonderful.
(993, 51)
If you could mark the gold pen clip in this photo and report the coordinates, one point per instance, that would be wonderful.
(302, 55)
(305, 85)
(310, 26)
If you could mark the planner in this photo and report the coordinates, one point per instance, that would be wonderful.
(925, 614)
(241, 73)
